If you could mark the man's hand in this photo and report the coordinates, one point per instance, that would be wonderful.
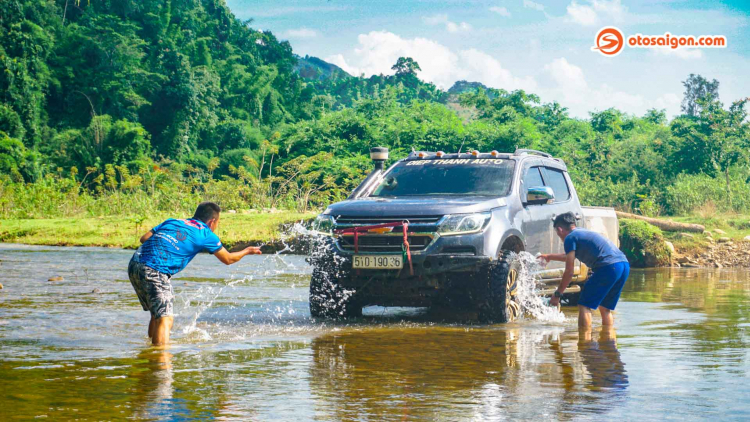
(252, 250)
(543, 259)
(554, 301)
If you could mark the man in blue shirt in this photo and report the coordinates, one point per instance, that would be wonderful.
(610, 269)
(166, 250)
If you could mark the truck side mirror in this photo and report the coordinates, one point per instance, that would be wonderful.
(540, 195)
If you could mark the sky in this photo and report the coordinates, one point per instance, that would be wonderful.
(541, 46)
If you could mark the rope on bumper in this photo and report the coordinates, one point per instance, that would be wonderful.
(355, 231)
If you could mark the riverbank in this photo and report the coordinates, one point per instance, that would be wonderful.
(123, 232)
(723, 244)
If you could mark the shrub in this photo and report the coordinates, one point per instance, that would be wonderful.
(690, 193)
(643, 244)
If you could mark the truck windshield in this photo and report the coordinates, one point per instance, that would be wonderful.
(483, 177)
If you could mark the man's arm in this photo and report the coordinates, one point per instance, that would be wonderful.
(230, 258)
(146, 236)
(570, 262)
(554, 257)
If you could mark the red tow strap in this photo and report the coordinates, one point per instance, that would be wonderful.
(362, 229)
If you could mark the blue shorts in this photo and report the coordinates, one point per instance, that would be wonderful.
(604, 286)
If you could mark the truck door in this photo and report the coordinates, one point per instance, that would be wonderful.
(564, 202)
(536, 225)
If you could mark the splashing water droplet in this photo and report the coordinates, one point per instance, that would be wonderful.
(529, 284)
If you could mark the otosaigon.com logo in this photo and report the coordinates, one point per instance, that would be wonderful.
(609, 41)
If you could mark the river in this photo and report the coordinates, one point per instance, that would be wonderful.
(245, 348)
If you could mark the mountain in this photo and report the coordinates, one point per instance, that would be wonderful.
(310, 67)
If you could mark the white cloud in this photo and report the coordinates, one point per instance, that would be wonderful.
(301, 33)
(596, 12)
(571, 89)
(378, 51)
(581, 14)
(449, 25)
(340, 61)
(683, 53)
(502, 11)
(531, 5)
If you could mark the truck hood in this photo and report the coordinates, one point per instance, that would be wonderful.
(411, 206)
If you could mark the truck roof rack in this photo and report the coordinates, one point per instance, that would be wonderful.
(532, 151)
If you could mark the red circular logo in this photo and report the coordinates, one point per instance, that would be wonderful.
(609, 41)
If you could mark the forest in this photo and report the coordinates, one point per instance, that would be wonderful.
(139, 107)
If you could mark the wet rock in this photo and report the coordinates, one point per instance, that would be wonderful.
(97, 290)
(719, 231)
(56, 278)
(718, 265)
(724, 240)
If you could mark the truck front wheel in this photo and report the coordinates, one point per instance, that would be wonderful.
(499, 302)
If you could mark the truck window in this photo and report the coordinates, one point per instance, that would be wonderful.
(556, 180)
(532, 179)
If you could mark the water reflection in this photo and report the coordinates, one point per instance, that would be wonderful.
(393, 373)
(153, 391)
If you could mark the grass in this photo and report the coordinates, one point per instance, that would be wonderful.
(124, 232)
(737, 227)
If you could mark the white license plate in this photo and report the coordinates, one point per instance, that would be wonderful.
(378, 262)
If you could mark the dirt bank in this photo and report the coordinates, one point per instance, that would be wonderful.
(716, 254)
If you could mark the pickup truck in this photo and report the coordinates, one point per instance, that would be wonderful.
(439, 229)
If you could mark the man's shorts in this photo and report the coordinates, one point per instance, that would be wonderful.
(604, 286)
(153, 288)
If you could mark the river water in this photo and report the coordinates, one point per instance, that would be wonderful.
(244, 347)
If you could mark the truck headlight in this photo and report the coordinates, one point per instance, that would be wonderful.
(464, 223)
(323, 224)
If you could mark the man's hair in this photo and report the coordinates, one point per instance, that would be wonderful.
(566, 220)
(206, 211)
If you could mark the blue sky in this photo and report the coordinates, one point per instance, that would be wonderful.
(542, 46)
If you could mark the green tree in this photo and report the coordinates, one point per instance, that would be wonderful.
(406, 66)
(698, 90)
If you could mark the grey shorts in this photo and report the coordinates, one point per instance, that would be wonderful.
(154, 289)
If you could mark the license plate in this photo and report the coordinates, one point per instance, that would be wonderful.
(378, 262)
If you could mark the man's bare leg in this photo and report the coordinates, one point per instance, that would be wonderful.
(161, 330)
(151, 327)
(584, 317)
(608, 317)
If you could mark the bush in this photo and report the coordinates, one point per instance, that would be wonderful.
(691, 192)
(643, 244)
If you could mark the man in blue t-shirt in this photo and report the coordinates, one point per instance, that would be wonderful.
(166, 250)
(610, 269)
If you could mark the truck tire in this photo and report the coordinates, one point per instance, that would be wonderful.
(570, 299)
(500, 303)
(328, 299)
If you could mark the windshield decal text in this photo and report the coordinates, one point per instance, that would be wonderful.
(456, 161)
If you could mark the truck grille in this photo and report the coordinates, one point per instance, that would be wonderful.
(384, 243)
(343, 220)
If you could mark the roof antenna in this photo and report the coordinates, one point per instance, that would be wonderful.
(461, 147)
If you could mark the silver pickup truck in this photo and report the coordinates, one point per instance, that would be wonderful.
(438, 229)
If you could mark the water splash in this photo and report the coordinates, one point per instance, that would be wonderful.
(529, 284)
